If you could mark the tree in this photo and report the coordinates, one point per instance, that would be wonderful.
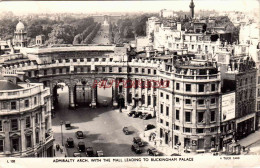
(61, 34)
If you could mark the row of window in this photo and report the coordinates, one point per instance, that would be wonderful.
(15, 142)
(201, 87)
(82, 60)
(200, 116)
(200, 101)
(198, 130)
(13, 104)
(15, 126)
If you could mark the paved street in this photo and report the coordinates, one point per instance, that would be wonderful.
(102, 128)
(102, 35)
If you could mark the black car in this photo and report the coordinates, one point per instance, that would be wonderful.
(136, 149)
(147, 116)
(131, 113)
(81, 147)
(79, 135)
(137, 114)
(70, 143)
(138, 141)
(90, 152)
(148, 127)
(153, 152)
(175, 154)
(125, 130)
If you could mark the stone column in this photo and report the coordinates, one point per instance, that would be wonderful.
(23, 140)
(133, 91)
(115, 93)
(7, 143)
(33, 130)
(93, 96)
(71, 96)
(140, 92)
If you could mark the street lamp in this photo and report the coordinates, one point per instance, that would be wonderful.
(61, 123)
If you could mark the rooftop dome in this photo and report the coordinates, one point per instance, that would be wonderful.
(20, 26)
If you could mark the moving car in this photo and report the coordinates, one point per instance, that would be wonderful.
(90, 152)
(79, 135)
(138, 141)
(100, 153)
(76, 154)
(175, 154)
(136, 149)
(131, 113)
(137, 114)
(70, 143)
(149, 127)
(81, 147)
(125, 130)
(153, 152)
(147, 116)
(67, 125)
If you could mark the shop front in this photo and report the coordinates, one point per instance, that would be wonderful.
(245, 126)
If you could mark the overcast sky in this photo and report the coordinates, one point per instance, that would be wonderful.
(125, 6)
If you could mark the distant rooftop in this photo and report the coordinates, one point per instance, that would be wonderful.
(6, 85)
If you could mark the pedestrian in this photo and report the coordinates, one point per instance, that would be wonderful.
(154, 143)
(160, 142)
(61, 149)
(57, 147)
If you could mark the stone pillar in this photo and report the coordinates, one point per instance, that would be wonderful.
(115, 93)
(23, 140)
(7, 143)
(33, 130)
(93, 96)
(71, 96)
(133, 91)
(140, 92)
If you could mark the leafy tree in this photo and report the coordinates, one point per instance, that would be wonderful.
(61, 34)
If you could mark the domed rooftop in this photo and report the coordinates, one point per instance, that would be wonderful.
(20, 26)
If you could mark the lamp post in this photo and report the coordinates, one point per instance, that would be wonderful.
(61, 123)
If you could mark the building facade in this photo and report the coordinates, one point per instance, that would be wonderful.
(25, 120)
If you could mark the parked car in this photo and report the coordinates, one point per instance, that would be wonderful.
(76, 154)
(137, 114)
(142, 115)
(67, 125)
(149, 127)
(125, 130)
(70, 143)
(147, 116)
(175, 154)
(136, 149)
(79, 135)
(153, 152)
(90, 152)
(131, 113)
(81, 147)
(138, 141)
(100, 153)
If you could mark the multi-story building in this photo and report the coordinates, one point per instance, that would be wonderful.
(25, 120)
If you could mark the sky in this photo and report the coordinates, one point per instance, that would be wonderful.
(24, 7)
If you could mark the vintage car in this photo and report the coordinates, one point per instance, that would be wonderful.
(79, 134)
(136, 149)
(125, 130)
(76, 154)
(131, 113)
(147, 116)
(89, 152)
(100, 153)
(138, 141)
(142, 115)
(149, 127)
(137, 114)
(67, 125)
(153, 152)
(70, 143)
(81, 147)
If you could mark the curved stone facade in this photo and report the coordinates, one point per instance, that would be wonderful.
(25, 119)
